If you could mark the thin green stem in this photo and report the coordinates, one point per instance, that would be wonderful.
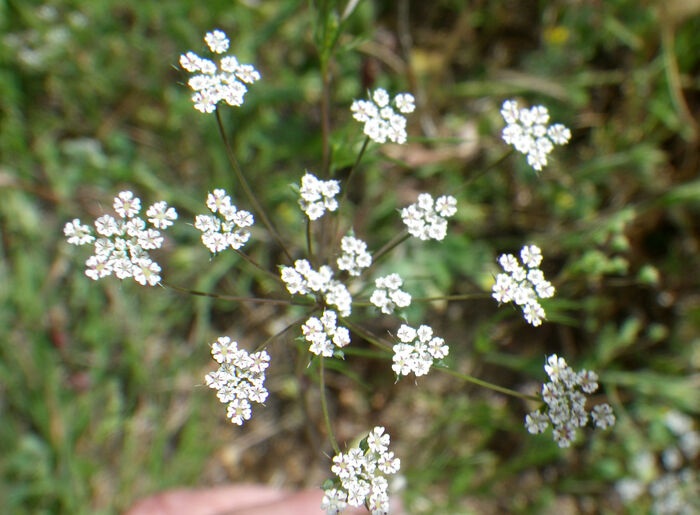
(346, 186)
(287, 328)
(324, 406)
(233, 298)
(484, 171)
(325, 119)
(449, 298)
(463, 296)
(395, 242)
(374, 340)
(258, 266)
(488, 385)
(246, 187)
(309, 248)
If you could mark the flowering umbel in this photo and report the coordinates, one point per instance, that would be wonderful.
(122, 245)
(214, 83)
(380, 119)
(229, 229)
(317, 196)
(426, 219)
(417, 350)
(523, 285)
(565, 400)
(239, 379)
(361, 475)
(528, 132)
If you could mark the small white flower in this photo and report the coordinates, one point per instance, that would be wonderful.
(405, 102)
(126, 205)
(217, 41)
(77, 233)
(603, 416)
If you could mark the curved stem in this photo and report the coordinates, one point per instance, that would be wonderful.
(246, 187)
(258, 266)
(325, 119)
(488, 385)
(309, 248)
(324, 406)
(395, 242)
(367, 335)
(287, 328)
(233, 298)
(344, 196)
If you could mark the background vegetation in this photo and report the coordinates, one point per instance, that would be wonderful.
(101, 396)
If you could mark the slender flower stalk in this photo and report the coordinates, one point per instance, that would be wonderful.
(324, 406)
(486, 384)
(249, 192)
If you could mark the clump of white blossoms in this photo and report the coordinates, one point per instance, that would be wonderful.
(354, 257)
(240, 378)
(214, 83)
(302, 279)
(417, 350)
(229, 229)
(388, 295)
(380, 119)
(528, 132)
(523, 286)
(426, 219)
(565, 401)
(323, 333)
(361, 473)
(315, 196)
(122, 245)
(675, 491)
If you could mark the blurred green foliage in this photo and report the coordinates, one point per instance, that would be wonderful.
(100, 383)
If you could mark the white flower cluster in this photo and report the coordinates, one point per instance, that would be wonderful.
(324, 332)
(388, 296)
(361, 473)
(566, 404)
(303, 279)
(527, 131)
(315, 196)
(215, 83)
(354, 257)
(231, 231)
(239, 379)
(426, 219)
(676, 491)
(523, 286)
(417, 350)
(123, 244)
(380, 119)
